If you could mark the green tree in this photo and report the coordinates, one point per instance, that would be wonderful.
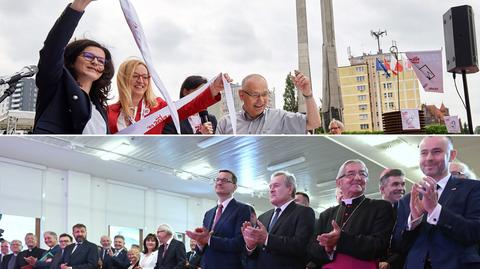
(477, 130)
(436, 129)
(290, 102)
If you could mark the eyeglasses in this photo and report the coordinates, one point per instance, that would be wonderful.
(351, 175)
(63, 241)
(256, 95)
(137, 77)
(222, 180)
(457, 173)
(90, 57)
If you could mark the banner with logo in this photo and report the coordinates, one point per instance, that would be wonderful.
(428, 68)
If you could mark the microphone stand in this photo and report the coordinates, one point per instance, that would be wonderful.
(9, 91)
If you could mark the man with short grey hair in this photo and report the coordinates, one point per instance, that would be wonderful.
(31, 251)
(171, 253)
(282, 235)
(4, 250)
(9, 261)
(358, 230)
(256, 118)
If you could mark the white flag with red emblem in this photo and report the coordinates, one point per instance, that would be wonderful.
(428, 68)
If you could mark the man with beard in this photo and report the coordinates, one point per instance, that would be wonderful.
(392, 188)
(31, 251)
(81, 255)
(439, 221)
(355, 233)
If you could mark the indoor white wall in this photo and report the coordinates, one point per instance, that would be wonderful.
(63, 198)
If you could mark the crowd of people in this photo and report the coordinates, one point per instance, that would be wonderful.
(74, 81)
(435, 225)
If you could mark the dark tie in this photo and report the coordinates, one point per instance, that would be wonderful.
(164, 250)
(275, 218)
(217, 215)
(192, 256)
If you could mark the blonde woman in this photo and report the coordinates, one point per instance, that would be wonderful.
(138, 101)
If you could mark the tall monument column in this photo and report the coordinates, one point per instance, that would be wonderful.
(332, 104)
(303, 54)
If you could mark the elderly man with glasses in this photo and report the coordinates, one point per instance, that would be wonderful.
(256, 118)
(355, 233)
(220, 239)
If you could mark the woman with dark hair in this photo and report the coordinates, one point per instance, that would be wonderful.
(73, 80)
(198, 123)
(137, 99)
(149, 255)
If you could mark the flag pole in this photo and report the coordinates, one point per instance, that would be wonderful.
(394, 51)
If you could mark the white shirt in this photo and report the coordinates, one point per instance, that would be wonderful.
(148, 261)
(96, 124)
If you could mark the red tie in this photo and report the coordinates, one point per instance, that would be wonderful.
(217, 215)
(164, 250)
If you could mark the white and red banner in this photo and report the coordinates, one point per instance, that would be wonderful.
(410, 119)
(453, 124)
(149, 122)
(428, 68)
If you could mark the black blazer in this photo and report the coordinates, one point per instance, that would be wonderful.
(5, 261)
(185, 126)
(35, 252)
(121, 260)
(366, 235)
(62, 107)
(288, 238)
(85, 256)
(175, 257)
(193, 260)
(226, 244)
(453, 242)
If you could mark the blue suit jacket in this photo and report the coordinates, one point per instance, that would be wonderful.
(453, 242)
(62, 107)
(226, 244)
(85, 256)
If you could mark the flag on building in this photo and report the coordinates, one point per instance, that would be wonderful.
(395, 65)
(381, 66)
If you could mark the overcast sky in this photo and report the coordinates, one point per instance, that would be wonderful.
(205, 37)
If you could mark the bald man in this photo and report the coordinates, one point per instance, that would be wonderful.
(256, 118)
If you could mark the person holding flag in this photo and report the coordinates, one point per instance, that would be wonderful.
(138, 101)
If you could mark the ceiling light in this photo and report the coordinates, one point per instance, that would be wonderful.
(375, 140)
(211, 141)
(403, 154)
(244, 190)
(278, 166)
(183, 175)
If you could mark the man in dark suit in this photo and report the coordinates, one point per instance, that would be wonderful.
(63, 241)
(31, 251)
(105, 252)
(220, 240)
(439, 221)
(171, 253)
(193, 257)
(119, 258)
(282, 235)
(81, 255)
(9, 260)
(4, 250)
(357, 232)
(392, 188)
(44, 262)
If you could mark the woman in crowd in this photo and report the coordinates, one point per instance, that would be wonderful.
(133, 256)
(138, 101)
(73, 80)
(148, 258)
(198, 123)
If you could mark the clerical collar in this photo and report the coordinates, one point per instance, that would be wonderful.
(349, 201)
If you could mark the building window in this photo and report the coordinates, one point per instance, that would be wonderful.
(390, 105)
(360, 78)
(364, 126)
(361, 88)
(359, 69)
(388, 94)
(362, 107)
(364, 116)
(362, 97)
(387, 85)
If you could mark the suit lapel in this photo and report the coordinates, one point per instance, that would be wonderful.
(209, 218)
(449, 190)
(266, 217)
(284, 215)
